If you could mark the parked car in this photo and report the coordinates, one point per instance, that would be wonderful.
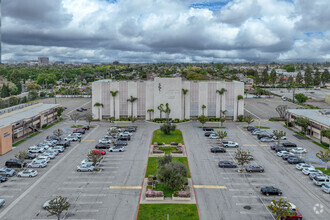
(130, 129)
(52, 150)
(281, 153)
(85, 168)
(125, 133)
(257, 131)
(30, 155)
(99, 151)
(208, 129)
(267, 139)
(227, 164)
(36, 149)
(117, 149)
(7, 171)
(218, 150)
(59, 148)
(286, 156)
(301, 166)
(265, 135)
(208, 133)
(295, 160)
(3, 178)
(229, 144)
(120, 143)
(63, 143)
(282, 138)
(71, 138)
(213, 136)
(124, 138)
(43, 157)
(37, 164)
(86, 162)
(251, 128)
(50, 155)
(28, 173)
(108, 137)
(102, 146)
(307, 171)
(105, 141)
(274, 146)
(15, 163)
(2, 202)
(292, 207)
(294, 215)
(326, 188)
(79, 110)
(280, 148)
(39, 160)
(321, 180)
(299, 150)
(78, 131)
(255, 168)
(270, 190)
(289, 144)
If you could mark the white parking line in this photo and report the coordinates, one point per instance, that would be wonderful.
(86, 203)
(254, 213)
(109, 167)
(248, 197)
(86, 188)
(111, 163)
(86, 182)
(10, 189)
(88, 210)
(250, 204)
(4, 196)
(241, 190)
(10, 206)
(84, 177)
(254, 177)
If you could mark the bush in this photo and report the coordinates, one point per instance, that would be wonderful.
(174, 143)
(153, 193)
(149, 187)
(167, 128)
(173, 175)
(240, 118)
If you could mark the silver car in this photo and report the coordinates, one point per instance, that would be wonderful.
(37, 164)
(117, 149)
(50, 155)
(7, 171)
(59, 148)
(28, 173)
(85, 168)
(2, 202)
(52, 151)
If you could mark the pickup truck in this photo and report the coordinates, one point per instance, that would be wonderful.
(229, 144)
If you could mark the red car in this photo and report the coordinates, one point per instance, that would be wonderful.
(295, 215)
(99, 151)
(84, 109)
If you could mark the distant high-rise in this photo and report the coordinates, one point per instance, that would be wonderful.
(43, 60)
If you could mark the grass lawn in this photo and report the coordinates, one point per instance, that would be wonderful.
(175, 212)
(161, 187)
(152, 165)
(167, 150)
(325, 172)
(261, 127)
(160, 137)
(212, 127)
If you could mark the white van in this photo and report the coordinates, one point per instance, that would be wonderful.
(321, 180)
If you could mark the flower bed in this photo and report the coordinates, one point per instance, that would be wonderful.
(154, 195)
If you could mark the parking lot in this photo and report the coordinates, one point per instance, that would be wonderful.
(88, 192)
(228, 194)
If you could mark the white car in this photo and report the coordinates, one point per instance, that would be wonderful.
(105, 141)
(53, 151)
(108, 136)
(213, 136)
(44, 146)
(299, 150)
(86, 162)
(126, 133)
(293, 207)
(59, 148)
(307, 171)
(326, 188)
(43, 157)
(35, 149)
(281, 153)
(85, 168)
(301, 166)
(50, 155)
(321, 180)
(39, 164)
(117, 149)
(282, 138)
(40, 160)
(28, 173)
(71, 138)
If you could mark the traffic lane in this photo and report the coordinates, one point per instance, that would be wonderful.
(69, 103)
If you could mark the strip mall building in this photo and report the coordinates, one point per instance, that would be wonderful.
(150, 94)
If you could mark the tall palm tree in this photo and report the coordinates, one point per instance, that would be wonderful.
(132, 100)
(149, 111)
(161, 109)
(239, 97)
(203, 108)
(98, 105)
(184, 92)
(167, 112)
(114, 93)
(221, 92)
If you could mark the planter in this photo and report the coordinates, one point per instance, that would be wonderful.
(155, 198)
(180, 198)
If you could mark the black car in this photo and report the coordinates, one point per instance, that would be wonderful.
(14, 163)
(130, 129)
(255, 168)
(30, 156)
(86, 127)
(63, 143)
(102, 146)
(288, 144)
(79, 131)
(250, 128)
(295, 160)
(287, 156)
(120, 143)
(124, 138)
(270, 190)
(274, 146)
(264, 135)
(79, 110)
(218, 150)
(227, 164)
(208, 129)
(3, 178)
(208, 133)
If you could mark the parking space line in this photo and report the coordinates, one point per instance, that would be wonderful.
(89, 140)
(4, 196)
(75, 188)
(248, 197)
(125, 187)
(86, 203)
(86, 182)
(109, 167)
(250, 204)
(10, 189)
(254, 213)
(241, 190)
(82, 177)
(209, 187)
(254, 177)
(88, 210)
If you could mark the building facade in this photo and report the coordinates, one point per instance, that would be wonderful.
(43, 60)
(151, 94)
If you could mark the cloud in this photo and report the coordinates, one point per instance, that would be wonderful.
(165, 31)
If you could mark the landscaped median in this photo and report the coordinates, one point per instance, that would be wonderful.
(167, 190)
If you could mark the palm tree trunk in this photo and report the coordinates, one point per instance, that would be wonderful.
(132, 110)
(184, 106)
(220, 106)
(99, 114)
(114, 108)
(149, 115)
(237, 110)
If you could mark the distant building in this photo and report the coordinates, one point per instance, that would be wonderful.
(43, 60)
(116, 62)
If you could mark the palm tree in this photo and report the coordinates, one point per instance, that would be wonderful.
(324, 156)
(98, 105)
(114, 93)
(184, 91)
(167, 112)
(161, 109)
(132, 100)
(203, 108)
(239, 97)
(149, 111)
(221, 92)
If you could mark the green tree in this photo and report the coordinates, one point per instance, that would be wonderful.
(289, 68)
(59, 111)
(279, 134)
(273, 77)
(303, 123)
(95, 157)
(184, 92)
(167, 128)
(99, 106)
(161, 110)
(88, 118)
(162, 161)
(300, 97)
(58, 132)
(132, 100)
(5, 92)
(57, 206)
(33, 95)
(281, 81)
(167, 112)
(150, 111)
(242, 157)
(308, 78)
(202, 119)
(21, 155)
(317, 78)
(325, 133)
(203, 108)
(324, 156)
(290, 80)
(33, 86)
(239, 97)
(248, 119)
(221, 134)
(114, 94)
(280, 208)
(325, 77)
(299, 78)
(221, 92)
(265, 77)
(173, 175)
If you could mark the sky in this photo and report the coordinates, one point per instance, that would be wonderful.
(153, 31)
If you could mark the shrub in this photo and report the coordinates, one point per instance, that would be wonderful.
(153, 193)
(167, 128)
(174, 143)
(149, 187)
(240, 118)
(183, 194)
(173, 175)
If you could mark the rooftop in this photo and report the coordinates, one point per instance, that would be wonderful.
(317, 115)
(24, 113)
